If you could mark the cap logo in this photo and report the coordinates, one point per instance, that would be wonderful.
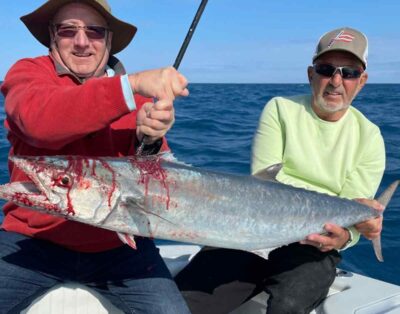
(342, 36)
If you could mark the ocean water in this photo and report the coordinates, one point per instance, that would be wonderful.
(214, 129)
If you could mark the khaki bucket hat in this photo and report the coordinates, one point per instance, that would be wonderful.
(344, 39)
(38, 22)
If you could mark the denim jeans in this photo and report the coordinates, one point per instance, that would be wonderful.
(135, 281)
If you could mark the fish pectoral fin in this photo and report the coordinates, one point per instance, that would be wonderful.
(145, 212)
(135, 201)
(270, 173)
(127, 239)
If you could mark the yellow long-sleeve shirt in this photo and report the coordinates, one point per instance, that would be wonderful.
(345, 158)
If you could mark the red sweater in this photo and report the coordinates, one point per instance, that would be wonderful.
(50, 112)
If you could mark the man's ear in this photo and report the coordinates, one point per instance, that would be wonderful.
(109, 40)
(310, 73)
(363, 80)
(52, 42)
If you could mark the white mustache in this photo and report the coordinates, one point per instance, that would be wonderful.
(334, 91)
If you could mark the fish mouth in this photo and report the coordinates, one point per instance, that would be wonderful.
(30, 194)
(26, 194)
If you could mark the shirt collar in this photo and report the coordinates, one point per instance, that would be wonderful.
(114, 67)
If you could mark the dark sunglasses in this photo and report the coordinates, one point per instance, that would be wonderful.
(329, 70)
(69, 31)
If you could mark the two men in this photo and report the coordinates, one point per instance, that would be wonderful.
(78, 100)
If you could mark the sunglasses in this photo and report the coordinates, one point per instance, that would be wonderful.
(329, 70)
(69, 31)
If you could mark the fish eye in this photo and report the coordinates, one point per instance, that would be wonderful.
(64, 180)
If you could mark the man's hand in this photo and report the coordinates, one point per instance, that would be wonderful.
(372, 228)
(154, 120)
(334, 238)
(165, 83)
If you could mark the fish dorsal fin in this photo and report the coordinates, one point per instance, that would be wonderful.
(269, 174)
(386, 195)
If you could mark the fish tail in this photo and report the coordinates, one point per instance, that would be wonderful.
(376, 244)
(384, 199)
(386, 195)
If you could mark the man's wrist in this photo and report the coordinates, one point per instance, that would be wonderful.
(349, 242)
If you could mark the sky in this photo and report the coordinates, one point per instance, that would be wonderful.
(236, 41)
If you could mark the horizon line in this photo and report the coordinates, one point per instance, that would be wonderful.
(273, 83)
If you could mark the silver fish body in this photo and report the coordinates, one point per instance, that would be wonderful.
(153, 197)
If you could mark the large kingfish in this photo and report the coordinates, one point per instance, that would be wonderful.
(154, 197)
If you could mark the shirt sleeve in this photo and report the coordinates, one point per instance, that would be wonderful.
(128, 94)
(51, 111)
(268, 142)
(364, 181)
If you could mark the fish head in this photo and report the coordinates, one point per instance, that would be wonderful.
(66, 185)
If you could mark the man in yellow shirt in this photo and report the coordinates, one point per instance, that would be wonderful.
(324, 144)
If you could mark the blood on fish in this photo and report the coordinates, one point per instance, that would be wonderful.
(94, 168)
(85, 184)
(130, 241)
(162, 199)
(87, 162)
(78, 168)
(39, 167)
(152, 169)
(186, 234)
(113, 184)
(75, 164)
(23, 198)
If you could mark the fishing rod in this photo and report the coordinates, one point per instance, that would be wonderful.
(189, 34)
(180, 55)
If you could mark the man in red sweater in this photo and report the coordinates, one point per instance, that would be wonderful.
(78, 100)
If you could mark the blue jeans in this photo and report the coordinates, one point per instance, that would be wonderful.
(135, 281)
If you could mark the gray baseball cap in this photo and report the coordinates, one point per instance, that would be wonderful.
(344, 39)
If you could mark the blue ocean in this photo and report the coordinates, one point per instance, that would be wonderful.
(214, 129)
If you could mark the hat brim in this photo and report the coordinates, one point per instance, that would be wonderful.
(340, 49)
(38, 23)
